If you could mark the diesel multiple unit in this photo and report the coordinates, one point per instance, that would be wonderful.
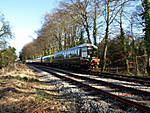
(84, 56)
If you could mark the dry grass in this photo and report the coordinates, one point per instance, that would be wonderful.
(22, 92)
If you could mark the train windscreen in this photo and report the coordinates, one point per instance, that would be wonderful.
(92, 52)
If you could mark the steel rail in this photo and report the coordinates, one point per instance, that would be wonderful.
(110, 75)
(121, 75)
(109, 84)
(115, 97)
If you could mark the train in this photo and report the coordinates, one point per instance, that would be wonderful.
(82, 56)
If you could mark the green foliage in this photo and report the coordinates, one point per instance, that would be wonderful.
(115, 54)
(41, 94)
(146, 20)
(7, 56)
(25, 78)
(30, 80)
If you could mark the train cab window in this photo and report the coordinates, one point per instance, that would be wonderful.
(84, 52)
(92, 52)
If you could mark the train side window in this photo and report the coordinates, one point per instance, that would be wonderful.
(67, 53)
(70, 55)
(64, 54)
(73, 53)
(78, 52)
(61, 55)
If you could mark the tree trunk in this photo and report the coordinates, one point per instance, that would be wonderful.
(65, 42)
(134, 50)
(106, 37)
(95, 26)
(60, 45)
(81, 40)
(124, 44)
(146, 18)
(88, 34)
(127, 64)
(87, 28)
(148, 65)
(105, 49)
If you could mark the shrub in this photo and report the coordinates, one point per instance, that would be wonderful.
(7, 56)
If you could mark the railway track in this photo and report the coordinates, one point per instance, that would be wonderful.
(128, 96)
(142, 80)
(133, 76)
(135, 82)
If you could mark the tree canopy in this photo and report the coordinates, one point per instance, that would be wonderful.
(7, 54)
(109, 24)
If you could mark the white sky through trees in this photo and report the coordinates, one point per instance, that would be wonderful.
(25, 17)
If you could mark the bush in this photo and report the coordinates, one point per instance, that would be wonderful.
(7, 56)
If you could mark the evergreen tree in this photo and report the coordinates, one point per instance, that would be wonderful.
(146, 21)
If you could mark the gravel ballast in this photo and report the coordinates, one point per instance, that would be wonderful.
(26, 90)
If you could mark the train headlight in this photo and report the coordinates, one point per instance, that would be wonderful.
(97, 60)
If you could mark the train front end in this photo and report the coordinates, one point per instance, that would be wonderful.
(89, 55)
(93, 57)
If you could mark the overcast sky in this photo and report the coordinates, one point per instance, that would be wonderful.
(25, 17)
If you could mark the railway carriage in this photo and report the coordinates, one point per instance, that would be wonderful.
(45, 59)
(37, 60)
(84, 56)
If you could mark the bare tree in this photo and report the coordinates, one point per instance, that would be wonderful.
(81, 12)
(5, 32)
(111, 10)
